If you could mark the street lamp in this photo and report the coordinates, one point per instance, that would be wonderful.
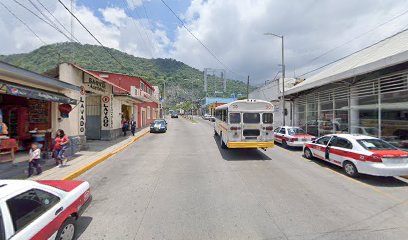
(283, 75)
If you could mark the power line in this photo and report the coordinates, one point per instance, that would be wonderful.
(359, 36)
(138, 30)
(90, 33)
(29, 28)
(330, 63)
(36, 15)
(147, 16)
(56, 19)
(202, 44)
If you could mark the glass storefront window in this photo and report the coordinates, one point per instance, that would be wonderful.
(312, 107)
(340, 121)
(312, 123)
(300, 120)
(325, 122)
(364, 115)
(341, 104)
(326, 106)
(301, 108)
(394, 118)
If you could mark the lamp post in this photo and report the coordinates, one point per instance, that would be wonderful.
(283, 75)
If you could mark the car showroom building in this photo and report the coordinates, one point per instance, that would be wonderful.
(364, 93)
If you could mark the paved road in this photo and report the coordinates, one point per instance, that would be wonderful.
(181, 185)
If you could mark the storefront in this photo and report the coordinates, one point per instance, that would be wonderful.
(30, 107)
(376, 107)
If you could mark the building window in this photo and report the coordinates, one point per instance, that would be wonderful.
(142, 86)
(394, 118)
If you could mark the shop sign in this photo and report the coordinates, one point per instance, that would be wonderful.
(65, 109)
(82, 116)
(94, 85)
(38, 94)
(107, 112)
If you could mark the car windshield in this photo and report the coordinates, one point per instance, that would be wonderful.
(375, 144)
(159, 122)
(295, 131)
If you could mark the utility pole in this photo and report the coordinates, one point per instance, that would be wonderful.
(283, 75)
(164, 98)
(248, 88)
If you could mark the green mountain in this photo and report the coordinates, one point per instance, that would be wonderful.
(183, 82)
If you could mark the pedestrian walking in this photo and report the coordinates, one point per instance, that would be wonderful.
(125, 127)
(133, 127)
(34, 160)
(61, 145)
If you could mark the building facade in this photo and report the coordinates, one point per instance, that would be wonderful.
(364, 93)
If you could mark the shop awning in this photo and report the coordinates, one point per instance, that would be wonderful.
(30, 77)
(38, 94)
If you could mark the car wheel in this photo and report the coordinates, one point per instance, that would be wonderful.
(284, 144)
(223, 145)
(350, 169)
(308, 153)
(67, 230)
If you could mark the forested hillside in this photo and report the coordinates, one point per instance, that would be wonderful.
(182, 81)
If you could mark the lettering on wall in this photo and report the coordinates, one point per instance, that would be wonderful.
(94, 85)
(82, 116)
(107, 115)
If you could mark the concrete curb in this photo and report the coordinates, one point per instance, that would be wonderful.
(89, 166)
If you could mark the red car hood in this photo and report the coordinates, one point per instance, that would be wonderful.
(66, 186)
(390, 153)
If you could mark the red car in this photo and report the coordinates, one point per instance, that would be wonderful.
(292, 136)
(46, 209)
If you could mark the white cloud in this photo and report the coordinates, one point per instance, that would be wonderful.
(234, 31)
(116, 30)
(113, 15)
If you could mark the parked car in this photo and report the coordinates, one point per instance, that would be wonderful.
(174, 115)
(47, 209)
(359, 154)
(158, 125)
(212, 119)
(206, 116)
(292, 136)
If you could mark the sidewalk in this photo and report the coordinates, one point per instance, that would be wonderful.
(96, 150)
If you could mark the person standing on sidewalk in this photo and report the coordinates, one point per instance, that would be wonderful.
(61, 145)
(125, 127)
(133, 127)
(34, 160)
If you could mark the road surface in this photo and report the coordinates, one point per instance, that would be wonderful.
(181, 185)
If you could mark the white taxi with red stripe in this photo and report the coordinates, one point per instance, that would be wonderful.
(292, 136)
(359, 154)
(46, 209)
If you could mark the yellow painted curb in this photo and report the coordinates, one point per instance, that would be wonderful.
(85, 168)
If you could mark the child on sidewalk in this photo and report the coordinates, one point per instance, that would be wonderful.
(34, 160)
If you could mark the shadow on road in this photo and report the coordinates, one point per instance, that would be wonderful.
(241, 154)
(367, 179)
(82, 224)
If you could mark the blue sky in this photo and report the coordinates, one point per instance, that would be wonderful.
(157, 12)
